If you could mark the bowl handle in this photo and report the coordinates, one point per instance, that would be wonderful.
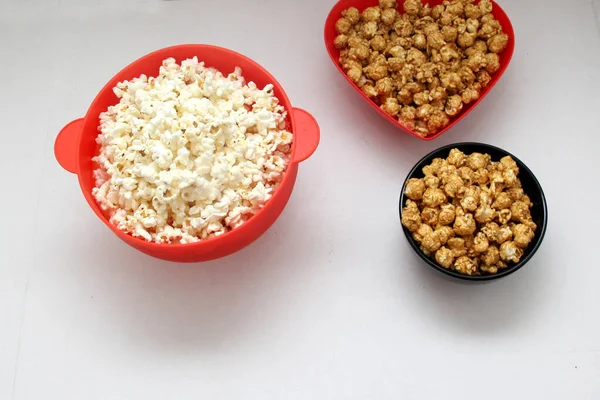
(306, 133)
(65, 145)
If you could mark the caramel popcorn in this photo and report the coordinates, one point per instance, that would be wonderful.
(430, 216)
(504, 234)
(432, 242)
(445, 233)
(446, 215)
(466, 265)
(445, 257)
(422, 232)
(523, 234)
(457, 245)
(421, 65)
(431, 181)
(509, 251)
(411, 217)
(470, 213)
(433, 197)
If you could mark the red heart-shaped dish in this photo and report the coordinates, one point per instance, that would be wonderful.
(334, 53)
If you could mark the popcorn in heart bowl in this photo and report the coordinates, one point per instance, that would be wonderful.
(423, 65)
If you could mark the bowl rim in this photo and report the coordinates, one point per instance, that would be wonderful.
(479, 278)
(289, 176)
(508, 29)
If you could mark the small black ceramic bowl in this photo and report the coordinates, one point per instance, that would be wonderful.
(531, 186)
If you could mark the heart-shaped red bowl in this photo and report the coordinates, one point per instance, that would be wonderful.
(505, 56)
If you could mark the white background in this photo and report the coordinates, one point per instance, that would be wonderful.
(331, 303)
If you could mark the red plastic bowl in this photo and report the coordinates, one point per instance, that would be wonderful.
(75, 147)
(330, 35)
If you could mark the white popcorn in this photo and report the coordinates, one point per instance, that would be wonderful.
(190, 154)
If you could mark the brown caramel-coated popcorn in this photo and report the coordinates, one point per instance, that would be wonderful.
(421, 98)
(467, 175)
(504, 234)
(369, 29)
(509, 251)
(355, 74)
(504, 216)
(454, 105)
(466, 265)
(469, 203)
(391, 106)
(430, 216)
(388, 16)
(492, 231)
(433, 197)
(425, 11)
(470, 95)
(457, 245)
(484, 78)
(431, 181)
(384, 86)
(476, 161)
(515, 194)
(491, 256)
(420, 41)
(352, 14)
(468, 207)
(376, 71)
(481, 177)
(466, 40)
(422, 231)
(412, 7)
(432, 242)
(378, 43)
(448, 52)
(388, 4)
(411, 217)
(414, 189)
(341, 42)
(370, 91)
(488, 30)
(424, 111)
(522, 235)
(359, 53)
(464, 225)
(445, 233)
(445, 257)
(446, 18)
(457, 158)
(447, 214)
(371, 14)
(451, 81)
(484, 214)
(480, 243)
(497, 43)
(343, 25)
(492, 63)
(456, 7)
(520, 211)
(503, 201)
(437, 121)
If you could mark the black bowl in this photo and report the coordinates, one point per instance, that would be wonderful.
(531, 186)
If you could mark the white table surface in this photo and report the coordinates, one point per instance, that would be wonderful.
(331, 303)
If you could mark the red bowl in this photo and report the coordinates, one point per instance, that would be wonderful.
(505, 56)
(75, 146)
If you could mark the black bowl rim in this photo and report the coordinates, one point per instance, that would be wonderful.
(480, 278)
